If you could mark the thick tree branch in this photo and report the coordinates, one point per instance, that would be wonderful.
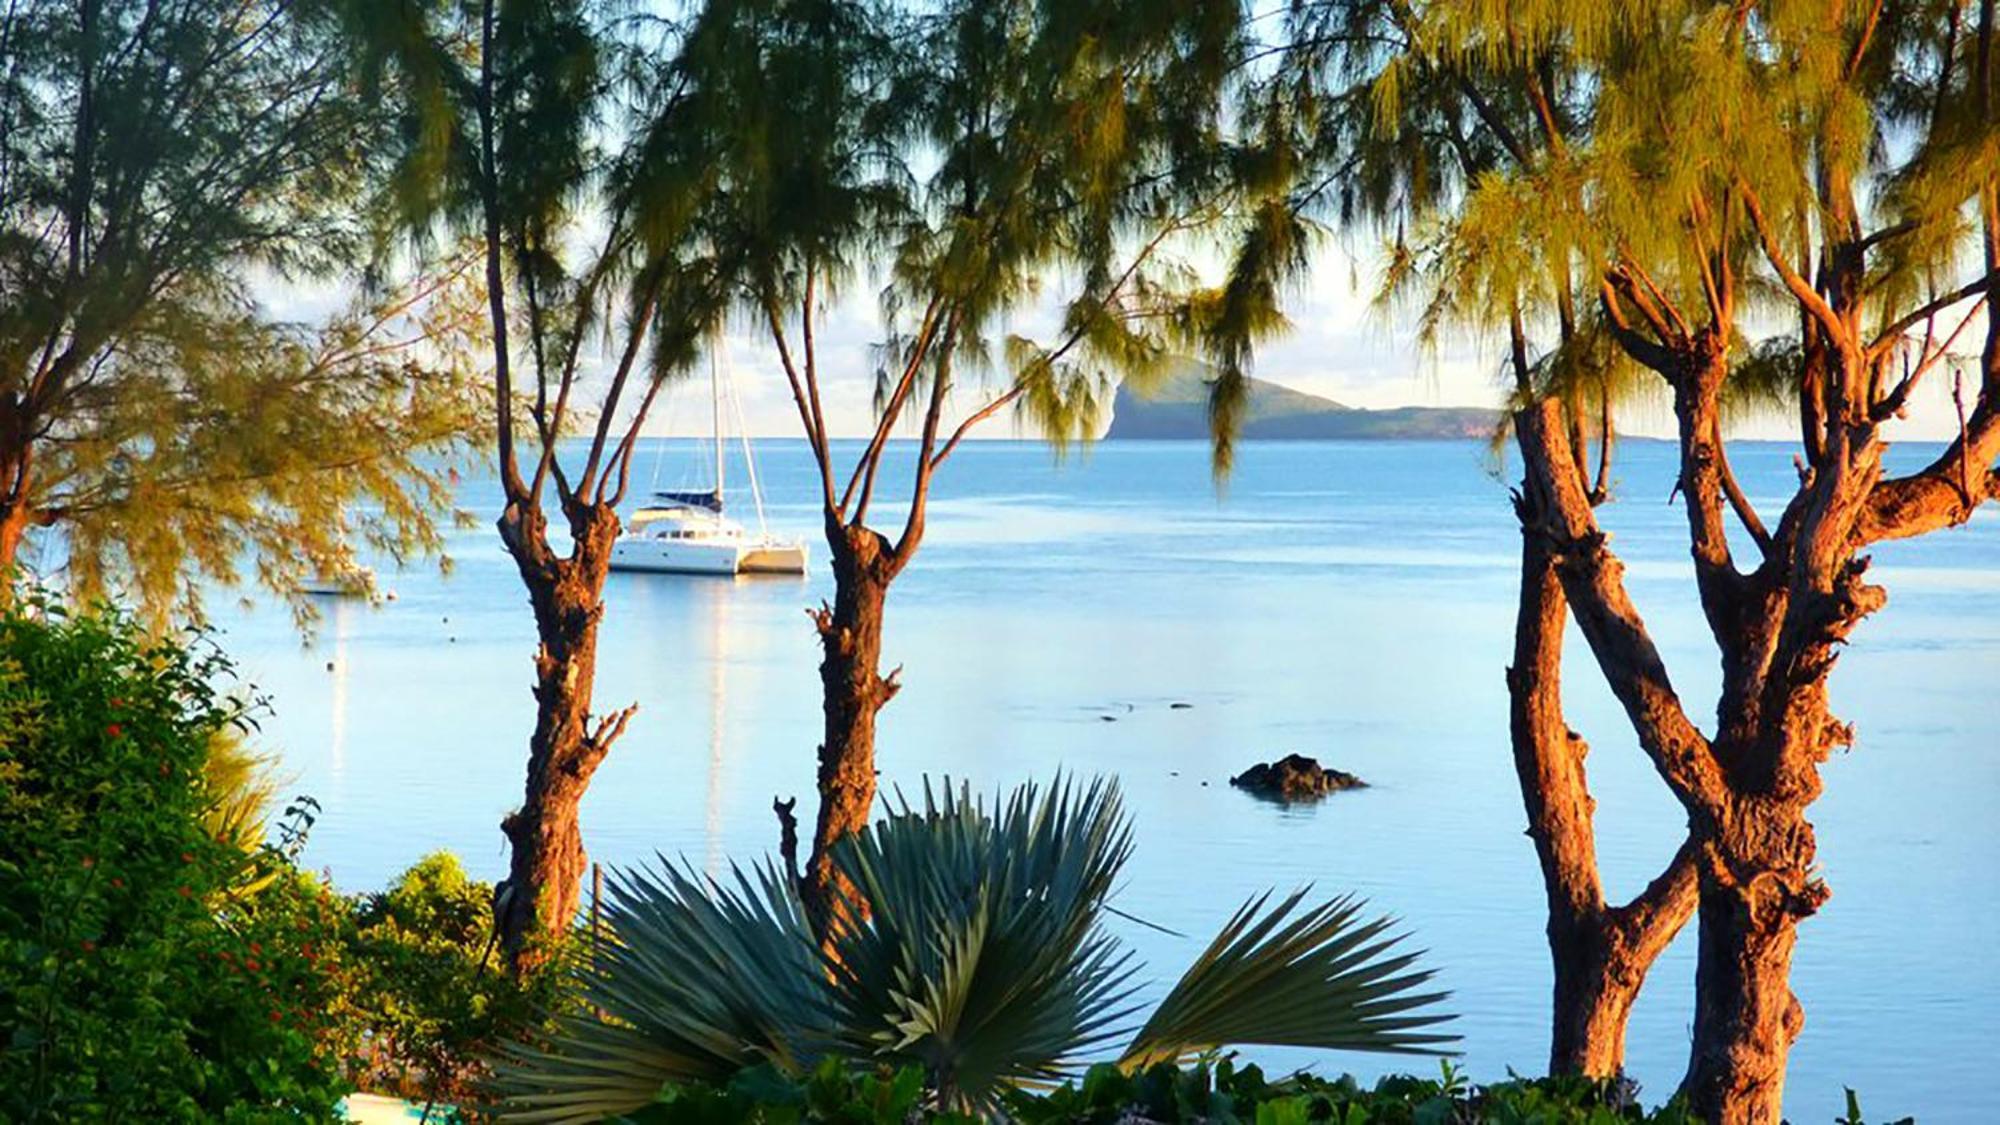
(1593, 580)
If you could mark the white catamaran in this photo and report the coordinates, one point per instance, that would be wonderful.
(685, 532)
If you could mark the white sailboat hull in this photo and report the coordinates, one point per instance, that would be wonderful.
(690, 556)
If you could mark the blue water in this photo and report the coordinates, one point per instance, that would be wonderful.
(1353, 602)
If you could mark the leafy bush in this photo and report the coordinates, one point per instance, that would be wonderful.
(429, 998)
(148, 970)
(1207, 1093)
(981, 959)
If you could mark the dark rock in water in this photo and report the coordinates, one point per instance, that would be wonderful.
(1179, 705)
(1294, 777)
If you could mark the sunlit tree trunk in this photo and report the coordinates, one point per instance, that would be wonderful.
(16, 463)
(854, 690)
(1599, 953)
(1758, 849)
(543, 890)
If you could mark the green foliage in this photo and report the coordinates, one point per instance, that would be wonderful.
(227, 449)
(833, 1093)
(982, 961)
(1853, 1114)
(148, 970)
(1211, 1092)
(162, 169)
(427, 998)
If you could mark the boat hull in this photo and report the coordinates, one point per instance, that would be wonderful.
(669, 556)
(787, 558)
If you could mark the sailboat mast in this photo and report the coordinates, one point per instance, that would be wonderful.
(715, 423)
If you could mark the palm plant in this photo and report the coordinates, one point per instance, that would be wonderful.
(982, 958)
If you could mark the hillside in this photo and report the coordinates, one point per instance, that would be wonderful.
(1178, 408)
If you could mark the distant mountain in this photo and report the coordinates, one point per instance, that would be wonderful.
(1178, 408)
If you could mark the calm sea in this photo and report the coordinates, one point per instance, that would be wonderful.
(1352, 602)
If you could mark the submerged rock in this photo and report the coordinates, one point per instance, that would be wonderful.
(1295, 777)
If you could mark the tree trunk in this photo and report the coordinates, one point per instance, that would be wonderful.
(1758, 850)
(16, 507)
(542, 894)
(854, 690)
(1599, 954)
(1756, 886)
(1746, 1017)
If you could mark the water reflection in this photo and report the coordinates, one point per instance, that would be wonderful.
(342, 614)
(713, 603)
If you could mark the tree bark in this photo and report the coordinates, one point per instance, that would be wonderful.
(542, 894)
(1746, 1017)
(1600, 954)
(16, 480)
(854, 689)
(1758, 849)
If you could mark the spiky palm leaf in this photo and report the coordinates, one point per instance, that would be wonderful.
(699, 978)
(1320, 977)
(981, 957)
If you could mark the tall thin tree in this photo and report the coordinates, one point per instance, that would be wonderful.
(516, 141)
(1790, 183)
(994, 155)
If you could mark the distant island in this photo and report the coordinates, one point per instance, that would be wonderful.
(1177, 408)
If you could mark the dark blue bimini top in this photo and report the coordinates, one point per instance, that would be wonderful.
(708, 499)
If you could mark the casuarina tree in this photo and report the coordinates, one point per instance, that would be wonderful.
(1668, 178)
(1384, 123)
(977, 161)
(550, 136)
(164, 169)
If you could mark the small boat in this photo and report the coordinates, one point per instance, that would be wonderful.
(686, 532)
(350, 582)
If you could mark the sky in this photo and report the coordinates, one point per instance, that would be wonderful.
(1340, 346)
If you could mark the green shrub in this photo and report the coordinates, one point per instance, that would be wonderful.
(429, 997)
(148, 971)
(1211, 1092)
(1208, 1093)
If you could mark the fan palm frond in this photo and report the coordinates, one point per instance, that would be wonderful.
(699, 978)
(975, 951)
(982, 958)
(1318, 977)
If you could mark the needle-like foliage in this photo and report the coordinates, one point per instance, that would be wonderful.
(163, 428)
(984, 961)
